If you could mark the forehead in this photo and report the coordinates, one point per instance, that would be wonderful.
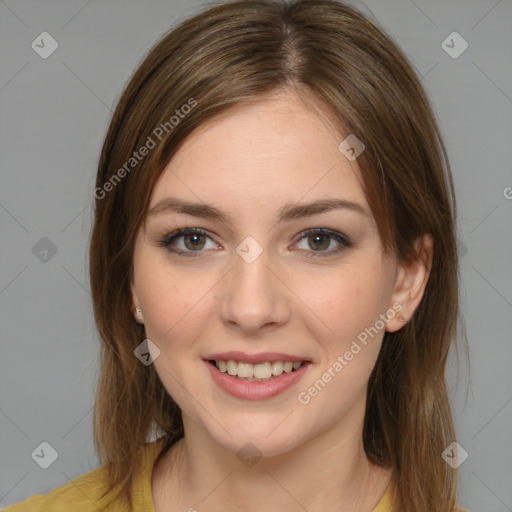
(260, 156)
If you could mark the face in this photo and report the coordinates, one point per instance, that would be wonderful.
(261, 281)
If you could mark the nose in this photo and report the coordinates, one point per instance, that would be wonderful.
(253, 296)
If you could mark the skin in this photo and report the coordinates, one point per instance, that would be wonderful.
(249, 164)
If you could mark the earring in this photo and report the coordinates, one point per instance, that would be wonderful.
(138, 312)
(402, 318)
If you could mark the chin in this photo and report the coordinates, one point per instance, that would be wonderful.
(265, 436)
(257, 445)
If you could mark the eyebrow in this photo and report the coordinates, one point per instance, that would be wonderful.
(289, 212)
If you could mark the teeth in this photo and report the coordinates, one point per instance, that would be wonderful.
(245, 370)
(232, 367)
(277, 368)
(263, 371)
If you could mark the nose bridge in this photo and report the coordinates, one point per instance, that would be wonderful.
(252, 296)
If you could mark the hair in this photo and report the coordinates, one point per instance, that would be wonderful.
(231, 55)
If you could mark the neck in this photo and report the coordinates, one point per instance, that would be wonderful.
(328, 472)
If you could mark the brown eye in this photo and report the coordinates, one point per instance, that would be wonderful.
(193, 241)
(188, 242)
(323, 242)
(319, 241)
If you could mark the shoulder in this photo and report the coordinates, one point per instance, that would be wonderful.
(87, 492)
(81, 494)
(386, 503)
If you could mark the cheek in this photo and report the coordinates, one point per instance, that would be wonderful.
(173, 301)
(171, 298)
(342, 318)
(343, 304)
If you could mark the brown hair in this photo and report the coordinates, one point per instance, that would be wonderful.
(233, 54)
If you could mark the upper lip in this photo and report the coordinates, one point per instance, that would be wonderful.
(261, 357)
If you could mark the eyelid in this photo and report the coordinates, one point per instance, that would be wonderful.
(167, 239)
(337, 235)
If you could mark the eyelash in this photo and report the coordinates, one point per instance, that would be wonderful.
(339, 237)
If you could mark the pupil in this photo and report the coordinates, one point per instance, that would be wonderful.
(194, 240)
(317, 240)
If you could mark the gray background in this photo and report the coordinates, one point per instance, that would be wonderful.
(54, 114)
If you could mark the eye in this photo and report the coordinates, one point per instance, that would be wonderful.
(320, 239)
(193, 241)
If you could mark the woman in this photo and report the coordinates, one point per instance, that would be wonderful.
(274, 274)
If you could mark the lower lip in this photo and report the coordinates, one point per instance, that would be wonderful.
(254, 390)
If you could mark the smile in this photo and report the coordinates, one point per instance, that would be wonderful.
(256, 372)
(258, 381)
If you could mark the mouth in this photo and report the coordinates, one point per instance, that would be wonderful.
(260, 372)
(267, 376)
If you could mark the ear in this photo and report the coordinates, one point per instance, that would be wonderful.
(410, 283)
(136, 310)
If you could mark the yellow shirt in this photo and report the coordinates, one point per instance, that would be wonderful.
(83, 493)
